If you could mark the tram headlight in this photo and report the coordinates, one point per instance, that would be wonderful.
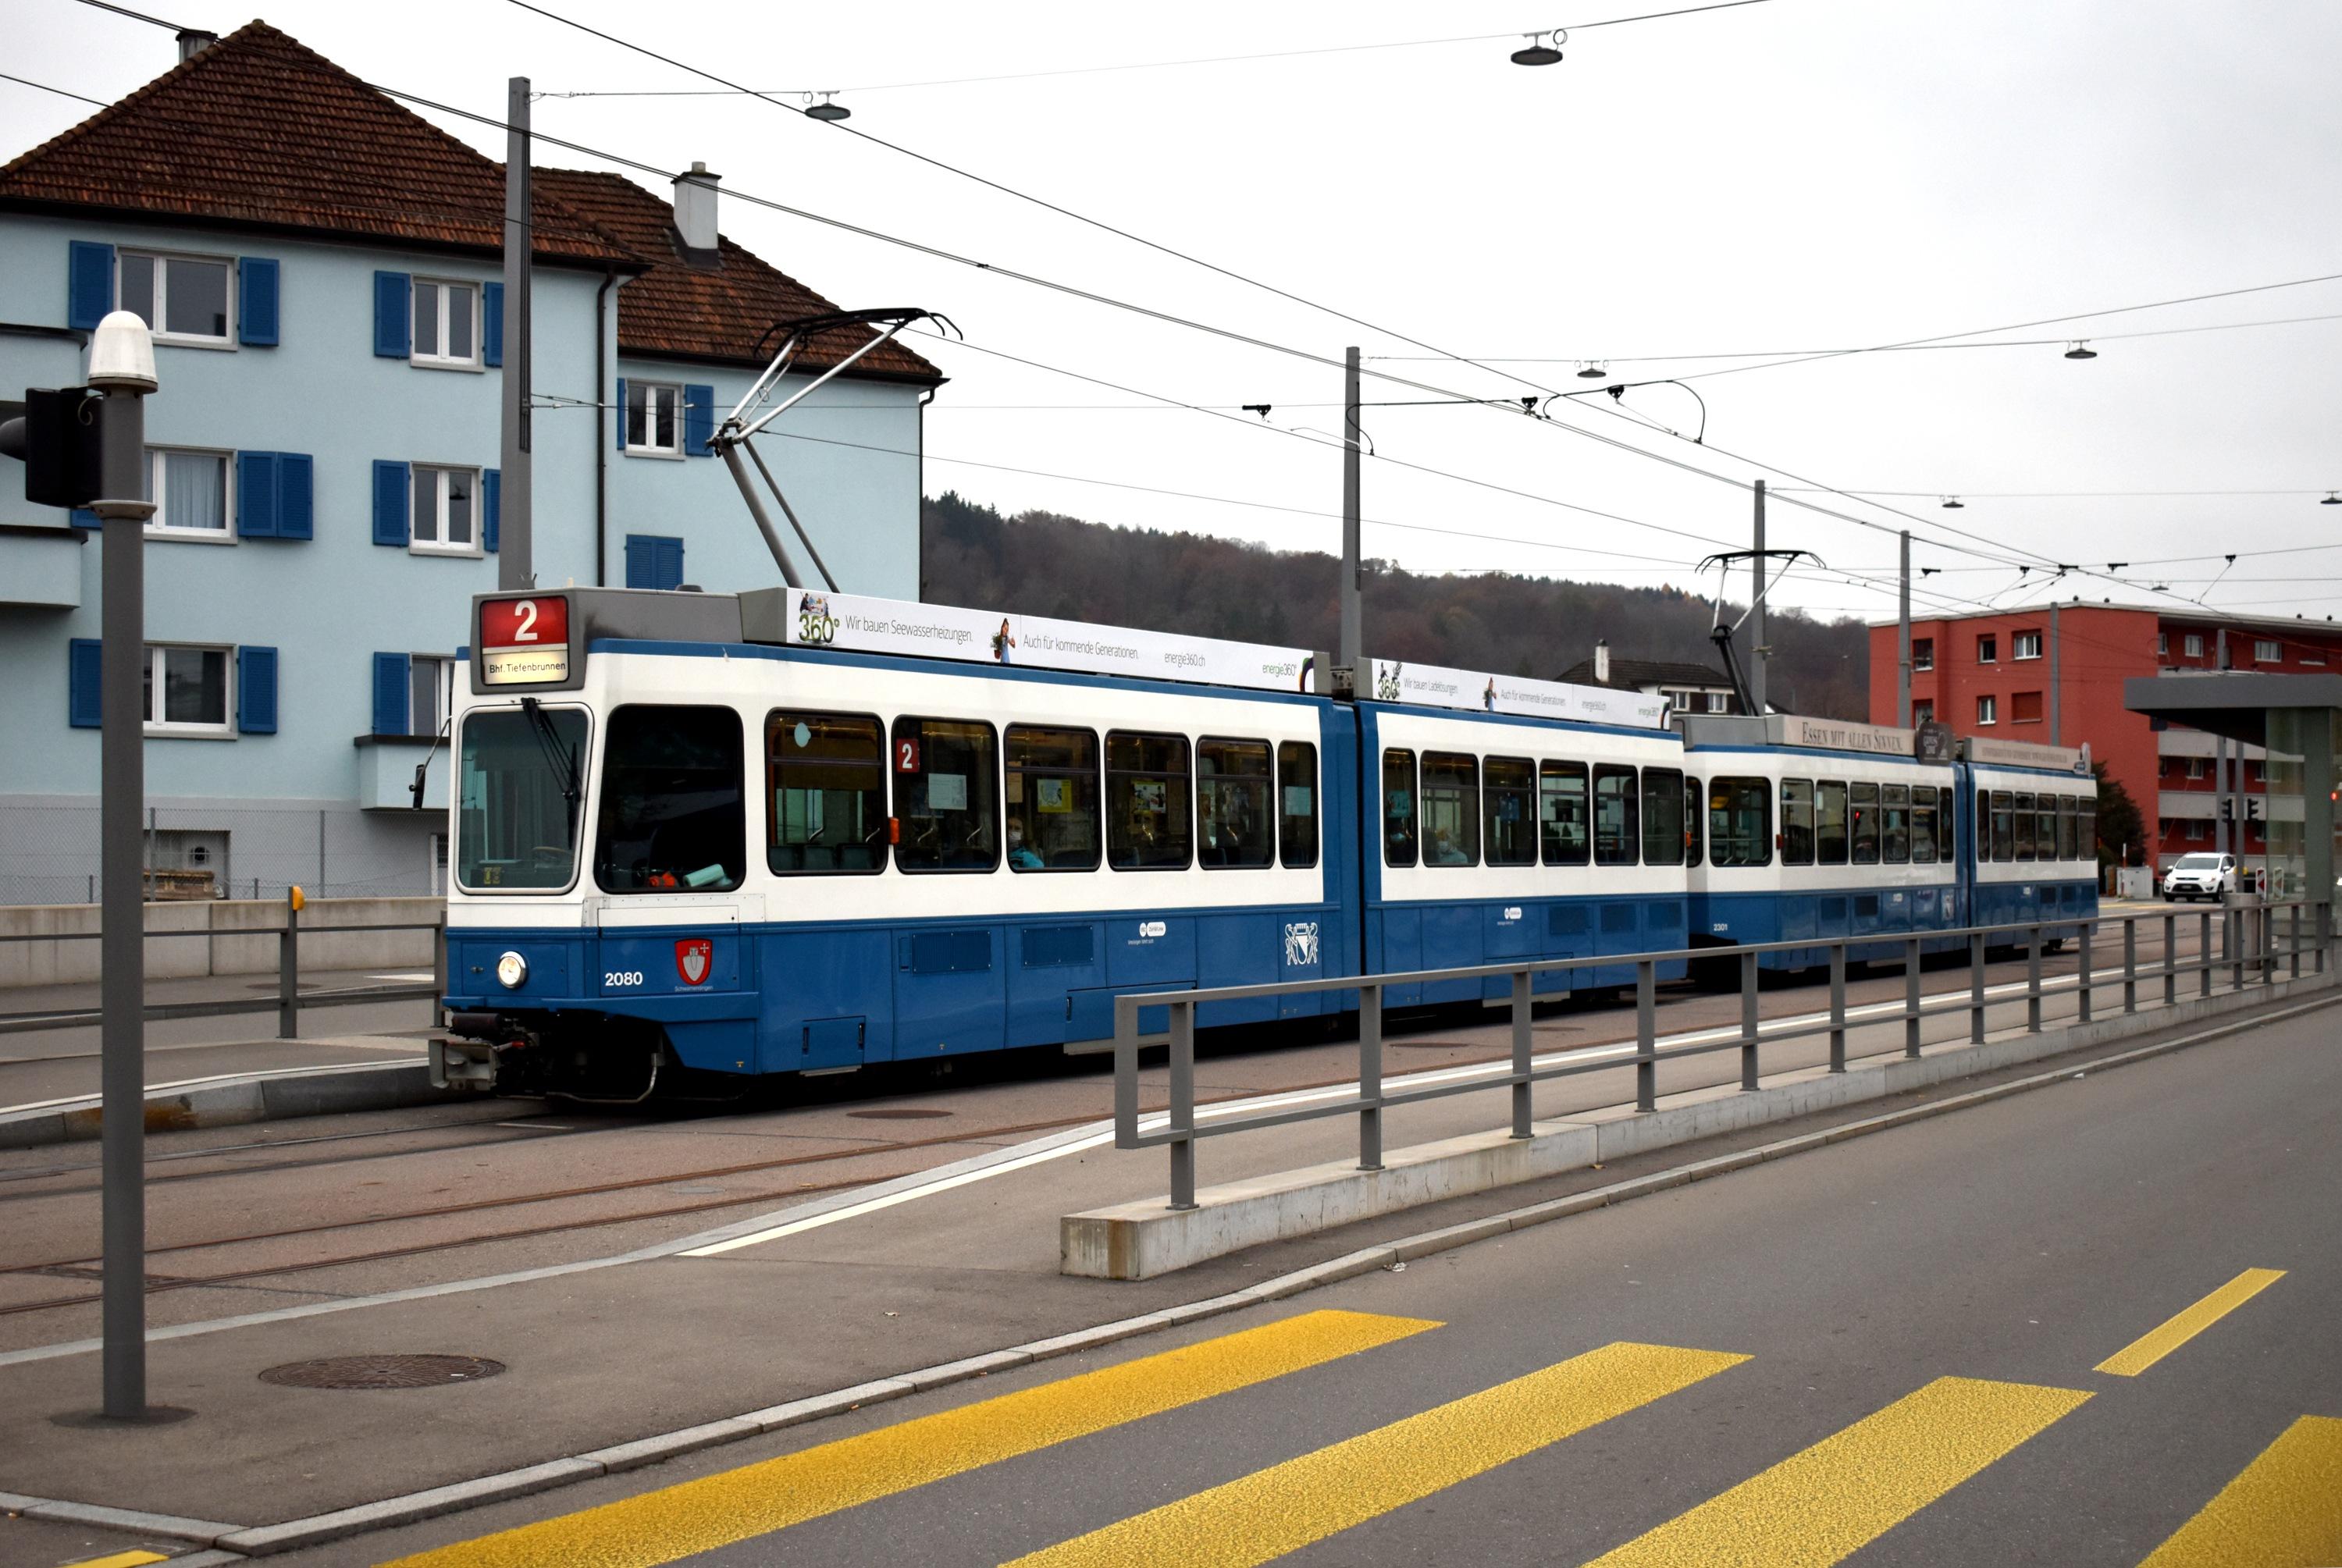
(512, 970)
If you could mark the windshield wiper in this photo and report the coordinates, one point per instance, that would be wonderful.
(558, 757)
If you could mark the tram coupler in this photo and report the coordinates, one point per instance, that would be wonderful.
(462, 1065)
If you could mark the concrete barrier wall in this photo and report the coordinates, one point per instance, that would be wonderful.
(199, 937)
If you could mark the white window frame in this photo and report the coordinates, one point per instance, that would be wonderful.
(2197, 768)
(160, 304)
(2192, 645)
(222, 730)
(1992, 658)
(1719, 701)
(672, 389)
(445, 698)
(157, 529)
(1988, 711)
(1922, 711)
(416, 473)
(2268, 651)
(1923, 654)
(2019, 642)
(2162, 645)
(432, 359)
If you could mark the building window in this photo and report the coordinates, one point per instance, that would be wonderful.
(2265, 651)
(182, 299)
(1988, 710)
(187, 691)
(2025, 708)
(2193, 645)
(430, 690)
(1923, 714)
(190, 492)
(2196, 768)
(653, 419)
(446, 323)
(1719, 701)
(1923, 653)
(2025, 645)
(1987, 650)
(2256, 773)
(446, 512)
(2313, 661)
(2199, 831)
(2162, 644)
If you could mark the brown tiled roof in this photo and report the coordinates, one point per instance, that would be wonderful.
(260, 129)
(683, 309)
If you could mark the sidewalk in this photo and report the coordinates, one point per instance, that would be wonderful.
(870, 1285)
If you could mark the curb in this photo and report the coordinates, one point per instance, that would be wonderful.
(235, 1100)
(414, 1506)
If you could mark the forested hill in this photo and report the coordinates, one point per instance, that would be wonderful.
(1041, 564)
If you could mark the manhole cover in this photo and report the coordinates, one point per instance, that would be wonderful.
(903, 1114)
(383, 1372)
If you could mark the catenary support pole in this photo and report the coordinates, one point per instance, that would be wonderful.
(2057, 719)
(1902, 641)
(516, 565)
(1352, 587)
(1757, 612)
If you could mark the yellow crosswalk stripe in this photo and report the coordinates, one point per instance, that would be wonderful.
(1286, 1506)
(2284, 1510)
(1817, 1506)
(135, 1559)
(2154, 1346)
(757, 1499)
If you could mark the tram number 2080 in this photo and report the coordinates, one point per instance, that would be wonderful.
(617, 979)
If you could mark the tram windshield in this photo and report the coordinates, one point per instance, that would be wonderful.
(522, 776)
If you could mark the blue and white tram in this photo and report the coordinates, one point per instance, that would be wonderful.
(2031, 815)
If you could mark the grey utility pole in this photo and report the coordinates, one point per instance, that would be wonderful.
(121, 366)
(515, 563)
(2220, 765)
(1353, 611)
(1756, 611)
(1902, 642)
(2057, 690)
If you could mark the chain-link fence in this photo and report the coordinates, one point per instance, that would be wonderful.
(49, 852)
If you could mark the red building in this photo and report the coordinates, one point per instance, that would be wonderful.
(2024, 675)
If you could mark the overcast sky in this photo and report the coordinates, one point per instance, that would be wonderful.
(1797, 175)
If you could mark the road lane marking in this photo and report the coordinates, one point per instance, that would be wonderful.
(1818, 1506)
(755, 1499)
(2284, 1510)
(121, 1560)
(2158, 1342)
(1286, 1506)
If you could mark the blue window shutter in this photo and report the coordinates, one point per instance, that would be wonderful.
(256, 304)
(297, 496)
(670, 564)
(390, 517)
(390, 693)
(492, 324)
(89, 283)
(256, 691)
(642, 561)
(255, 494)
(82, 677)
(392, 338)
(492, 508)
(622, 414)
(699, 420)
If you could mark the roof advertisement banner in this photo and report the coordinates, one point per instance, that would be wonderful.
(1841, 736)
(2027, 754)
(865, 625)
(1433, 686)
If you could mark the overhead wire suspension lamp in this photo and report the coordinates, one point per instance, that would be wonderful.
(1594, 370)
(2082, 350)
(825, 110)
(1539, 51)
(1953, 504)
(2333, 498)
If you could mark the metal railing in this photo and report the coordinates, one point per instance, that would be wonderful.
(287, 1003)
(2248, 945)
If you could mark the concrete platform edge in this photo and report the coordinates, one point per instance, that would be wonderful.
(235, 1101)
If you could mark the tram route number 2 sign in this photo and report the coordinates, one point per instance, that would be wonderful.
(524, 641)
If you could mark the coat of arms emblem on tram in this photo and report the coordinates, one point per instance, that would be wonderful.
(693, 957)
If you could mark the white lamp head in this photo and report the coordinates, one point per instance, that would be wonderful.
(122, 355)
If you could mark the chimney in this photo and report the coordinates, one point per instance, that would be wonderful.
(1602, 662)
(194, 41)
(695, 209)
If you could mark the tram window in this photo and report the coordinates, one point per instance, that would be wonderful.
(1861, 823)
(1895, 823)
(1829, 823)
(1561, 812)
(2066, 827)
(1797, 821)
(1923, 824)
(1740, 821)
(1695, 801)
(2044, 828)
(1052, 783)
(1614, 832)
(945, 795)
(1398, 807)
(671, 815)
(1943, 829)
(1511, 811)
(1451, 809)
(1233, 826)
(826, 793)
(2086, 828)
(517, 825)
(2026, 812)
(1297, 794)
(1149, 826)
(1663, 816)
(2004, 826)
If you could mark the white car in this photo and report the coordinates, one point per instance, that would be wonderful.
(2200, 876)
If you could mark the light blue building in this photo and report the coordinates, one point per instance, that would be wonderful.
(321, 268)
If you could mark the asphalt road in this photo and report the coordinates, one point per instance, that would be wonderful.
(2092, 1325)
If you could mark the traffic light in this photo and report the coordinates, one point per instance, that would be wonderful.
(56, 439)
(2228, 809)
(2256, 808)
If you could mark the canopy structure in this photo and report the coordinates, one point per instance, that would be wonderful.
(2297, 719)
